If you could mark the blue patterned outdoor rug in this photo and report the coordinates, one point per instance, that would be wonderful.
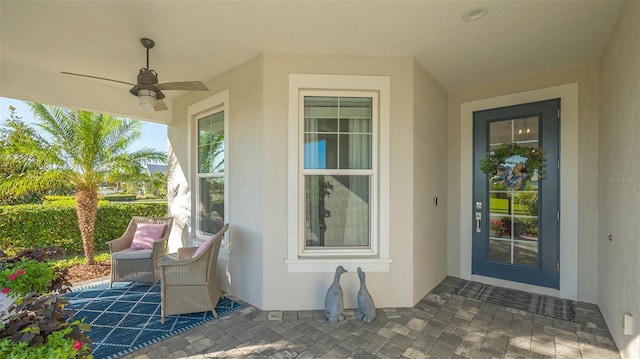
(127, 317)
(534, 303)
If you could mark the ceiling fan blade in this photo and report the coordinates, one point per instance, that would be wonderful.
(185, 85)
(97, 77)
(160, 106)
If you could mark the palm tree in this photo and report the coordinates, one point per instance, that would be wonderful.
(13, 133)
(81, 149)
(157, 184)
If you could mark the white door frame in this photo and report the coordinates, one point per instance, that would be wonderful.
(568, 95)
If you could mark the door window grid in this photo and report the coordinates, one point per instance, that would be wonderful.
(513, 220)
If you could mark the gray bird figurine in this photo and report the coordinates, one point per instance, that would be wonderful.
(366, 307)
(334, 302)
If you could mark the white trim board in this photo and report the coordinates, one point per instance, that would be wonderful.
(568, 95)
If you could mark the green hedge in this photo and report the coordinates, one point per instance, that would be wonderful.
(56, 224)
(120, 197)
(49, 199)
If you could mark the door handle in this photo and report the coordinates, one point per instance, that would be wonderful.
(478, 219)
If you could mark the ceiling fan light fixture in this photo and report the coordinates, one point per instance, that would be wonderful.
(147, 98)
(147, 89)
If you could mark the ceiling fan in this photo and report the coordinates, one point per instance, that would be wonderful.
(147, 88)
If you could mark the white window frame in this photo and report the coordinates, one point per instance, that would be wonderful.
(373, 259)
(371, 173)
(211, 105)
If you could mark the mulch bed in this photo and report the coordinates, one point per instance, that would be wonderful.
(84, 272)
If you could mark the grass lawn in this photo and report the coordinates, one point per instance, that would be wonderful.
(79, 259)
(79, 271)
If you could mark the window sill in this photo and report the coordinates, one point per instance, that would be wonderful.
(329, 265)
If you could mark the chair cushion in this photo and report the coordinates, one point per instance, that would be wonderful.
(203, 247)
(132, 254)
(146, 234)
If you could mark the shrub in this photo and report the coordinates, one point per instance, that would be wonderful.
(146, 196)
(50, 199)
(56, 224)
(120, 197)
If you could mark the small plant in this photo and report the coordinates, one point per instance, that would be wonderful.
(29, 271)
(25, 277)
(42, 328)
(57, 345)
(38, 326)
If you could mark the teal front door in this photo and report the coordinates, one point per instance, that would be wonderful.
(515, 214)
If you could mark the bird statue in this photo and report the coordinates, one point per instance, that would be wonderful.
(366, 307)
(334, 302)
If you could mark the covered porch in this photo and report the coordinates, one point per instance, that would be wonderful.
(427, 67)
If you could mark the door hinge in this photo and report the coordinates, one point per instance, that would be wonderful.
(558, 164)
(558, 113)
(558, 215)
(557, 266)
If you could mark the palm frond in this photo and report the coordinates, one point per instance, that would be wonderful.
(80, 149)
(22, 183)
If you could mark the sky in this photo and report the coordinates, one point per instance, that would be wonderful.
(153, 135)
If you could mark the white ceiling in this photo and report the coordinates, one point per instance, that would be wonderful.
(200, 40)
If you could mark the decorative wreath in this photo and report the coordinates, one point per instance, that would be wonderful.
(494, 164)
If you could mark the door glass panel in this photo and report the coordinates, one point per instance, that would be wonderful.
(499, 227)
(500, 202)
(513, 227)
(525, 253)
(525, 229)
(500, 250)
(522, 131)
(525, 203)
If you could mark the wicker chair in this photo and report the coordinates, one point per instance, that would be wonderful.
(189, 284)
(131, 265)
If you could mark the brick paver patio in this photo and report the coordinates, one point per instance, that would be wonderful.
(442, 325)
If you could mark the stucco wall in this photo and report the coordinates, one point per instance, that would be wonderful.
(619, 180)
(258, 182)
(239, 271)
(586, 75)
(429, 181)
(284, 290)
